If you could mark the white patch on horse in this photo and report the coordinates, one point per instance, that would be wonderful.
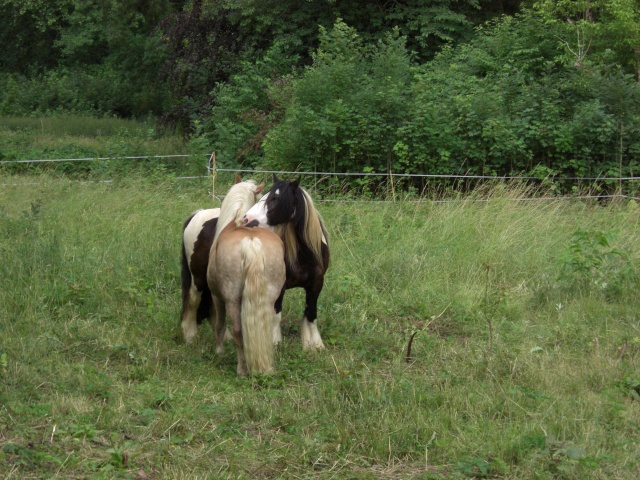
(259, 213)
(311, 339)
(190, 236)
(189, 324)
(194, 228)
(277, 332)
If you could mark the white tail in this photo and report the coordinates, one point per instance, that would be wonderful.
(256, 312)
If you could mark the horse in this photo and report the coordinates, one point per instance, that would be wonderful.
(198, 232)
(289, 210)
(197, 238)
(246, 275)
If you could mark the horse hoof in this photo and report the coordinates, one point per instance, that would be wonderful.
(314, 347)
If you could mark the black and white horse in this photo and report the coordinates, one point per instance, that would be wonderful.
(197, 237)
(289, 210)
(198, 233)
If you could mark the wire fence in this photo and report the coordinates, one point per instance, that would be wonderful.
(212, 171)
(95, 159)
(426, 175)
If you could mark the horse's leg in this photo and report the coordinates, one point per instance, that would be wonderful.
(227, 335)
(218, 324)
(277, 318)
(311, 339)
(233, 312)
(189, 321)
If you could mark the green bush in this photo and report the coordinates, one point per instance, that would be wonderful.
(94, 90)
(505, 103)
(590, 261)
(343, 113)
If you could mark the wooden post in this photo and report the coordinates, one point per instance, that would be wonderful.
(214, 173)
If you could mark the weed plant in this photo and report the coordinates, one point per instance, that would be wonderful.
(517, 368)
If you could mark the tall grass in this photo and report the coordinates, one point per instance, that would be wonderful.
(76, 125)
(516, 370)
(77, 137)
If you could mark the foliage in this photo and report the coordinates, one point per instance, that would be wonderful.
(216, 41)
(504, 103)
(247, 107)
(201, 51)
(596, 31)
(91, 57)
(96, 90)
(343, 112)
(413, 86)
(591, 261)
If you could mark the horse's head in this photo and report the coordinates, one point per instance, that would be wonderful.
(243, 194)
(247, 186)
(283, 203)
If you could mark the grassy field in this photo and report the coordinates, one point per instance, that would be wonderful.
(73, 137)
(525, 319)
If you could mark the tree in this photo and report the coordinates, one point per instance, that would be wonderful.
(621, 21)
(285, 35)
(28, 31)
(343, 112)
(608, 30)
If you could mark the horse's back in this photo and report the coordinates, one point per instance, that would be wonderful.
(226, 268)
(199, 227)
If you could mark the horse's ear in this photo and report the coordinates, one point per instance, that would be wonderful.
(238, 178)
(275, 178)
(296, 183)
(259, 188)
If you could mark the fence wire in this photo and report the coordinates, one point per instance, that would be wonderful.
(213, 170)
(96, 159)
(426, 175)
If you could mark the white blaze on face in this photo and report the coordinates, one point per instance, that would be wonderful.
(259, 212)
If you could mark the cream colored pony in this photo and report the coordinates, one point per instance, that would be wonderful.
(246, 275)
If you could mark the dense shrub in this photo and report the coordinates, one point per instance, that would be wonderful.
(95, 90)
(344, 111)
(504, 103)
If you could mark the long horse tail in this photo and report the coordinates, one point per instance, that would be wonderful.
(256, 311)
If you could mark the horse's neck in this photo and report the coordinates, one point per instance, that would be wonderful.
(231, 215)
(287, 233)
(224, 222)
(308, 235)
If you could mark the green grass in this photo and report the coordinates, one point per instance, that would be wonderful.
(75, 125)
(73, 137)
(522, 365)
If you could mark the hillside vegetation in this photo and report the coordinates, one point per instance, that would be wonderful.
(543, 88)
